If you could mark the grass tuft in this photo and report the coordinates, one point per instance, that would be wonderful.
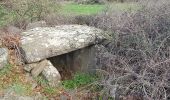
(80, 79)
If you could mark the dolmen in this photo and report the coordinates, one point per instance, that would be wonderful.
(46, 49)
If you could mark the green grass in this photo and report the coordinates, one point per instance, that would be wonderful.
(80, 79)
(77, 9)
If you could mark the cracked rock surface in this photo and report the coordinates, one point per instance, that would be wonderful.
(45, 42)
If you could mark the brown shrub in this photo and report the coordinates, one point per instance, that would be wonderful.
(53, 19)
(11, 41)
(137, 60)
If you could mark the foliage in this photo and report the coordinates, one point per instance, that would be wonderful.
(123, 6)
(136, 61)
(80, 79)
(30, 10)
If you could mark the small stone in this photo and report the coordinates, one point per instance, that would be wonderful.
(29, 67)
(3, 57)
(39, 67)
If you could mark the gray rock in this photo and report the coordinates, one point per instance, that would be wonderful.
(3, 57)
(48, 71)
(45, 42)
(38, 67)
(51, 74)
(29, 67)
(83, 59)
(36, 24)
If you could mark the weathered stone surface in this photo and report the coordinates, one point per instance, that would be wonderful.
(29, 67)
(41, 43)
(3, 57)
(36, 24)
(38, 67)
(83, 60)
(51, 74)
(45, 67)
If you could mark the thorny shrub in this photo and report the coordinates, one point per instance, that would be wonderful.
(25, 11)
(136, 61)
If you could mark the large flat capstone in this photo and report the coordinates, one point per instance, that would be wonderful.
(44, 42)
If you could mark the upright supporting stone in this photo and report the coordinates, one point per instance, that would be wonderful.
(45, 67)
(38, 67)
(51, 74)
(84, 59)
(3, 57)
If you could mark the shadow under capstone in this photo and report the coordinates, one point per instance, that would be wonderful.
(82, 60)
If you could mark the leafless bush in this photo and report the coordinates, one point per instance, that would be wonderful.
(91, 1)
(58, 19)
(138, 58)
(25, 11)
(102, 1)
